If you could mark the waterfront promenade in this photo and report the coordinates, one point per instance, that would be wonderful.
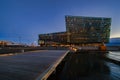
(57, 64)
(34, 65)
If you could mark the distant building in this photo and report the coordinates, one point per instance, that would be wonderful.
(10, 44)
(80, 30)
(3, 43)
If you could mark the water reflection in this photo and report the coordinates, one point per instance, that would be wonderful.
(85, 67)
(115, 55)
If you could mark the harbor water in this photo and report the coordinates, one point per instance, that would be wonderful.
(90, 66)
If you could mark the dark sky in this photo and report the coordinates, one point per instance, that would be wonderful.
(25, 19)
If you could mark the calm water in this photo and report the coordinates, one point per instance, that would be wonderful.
(89, 67)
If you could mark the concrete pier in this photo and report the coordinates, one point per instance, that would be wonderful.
(37, 65)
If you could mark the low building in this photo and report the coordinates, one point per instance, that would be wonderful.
(53, 38)
(4, 43)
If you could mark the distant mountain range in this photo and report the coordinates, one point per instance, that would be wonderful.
(114, 42)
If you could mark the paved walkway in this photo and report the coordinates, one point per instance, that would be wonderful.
(29, 65)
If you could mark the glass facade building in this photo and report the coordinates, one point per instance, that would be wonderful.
(87, 29)
(80, 30)
(51, 38)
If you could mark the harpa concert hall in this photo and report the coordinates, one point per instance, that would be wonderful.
(80, 30)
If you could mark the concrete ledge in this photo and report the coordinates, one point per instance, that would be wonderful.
(51, 69)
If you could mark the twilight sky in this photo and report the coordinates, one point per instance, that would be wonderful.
(23, 20)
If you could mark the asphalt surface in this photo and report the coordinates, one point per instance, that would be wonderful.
(29, 65)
